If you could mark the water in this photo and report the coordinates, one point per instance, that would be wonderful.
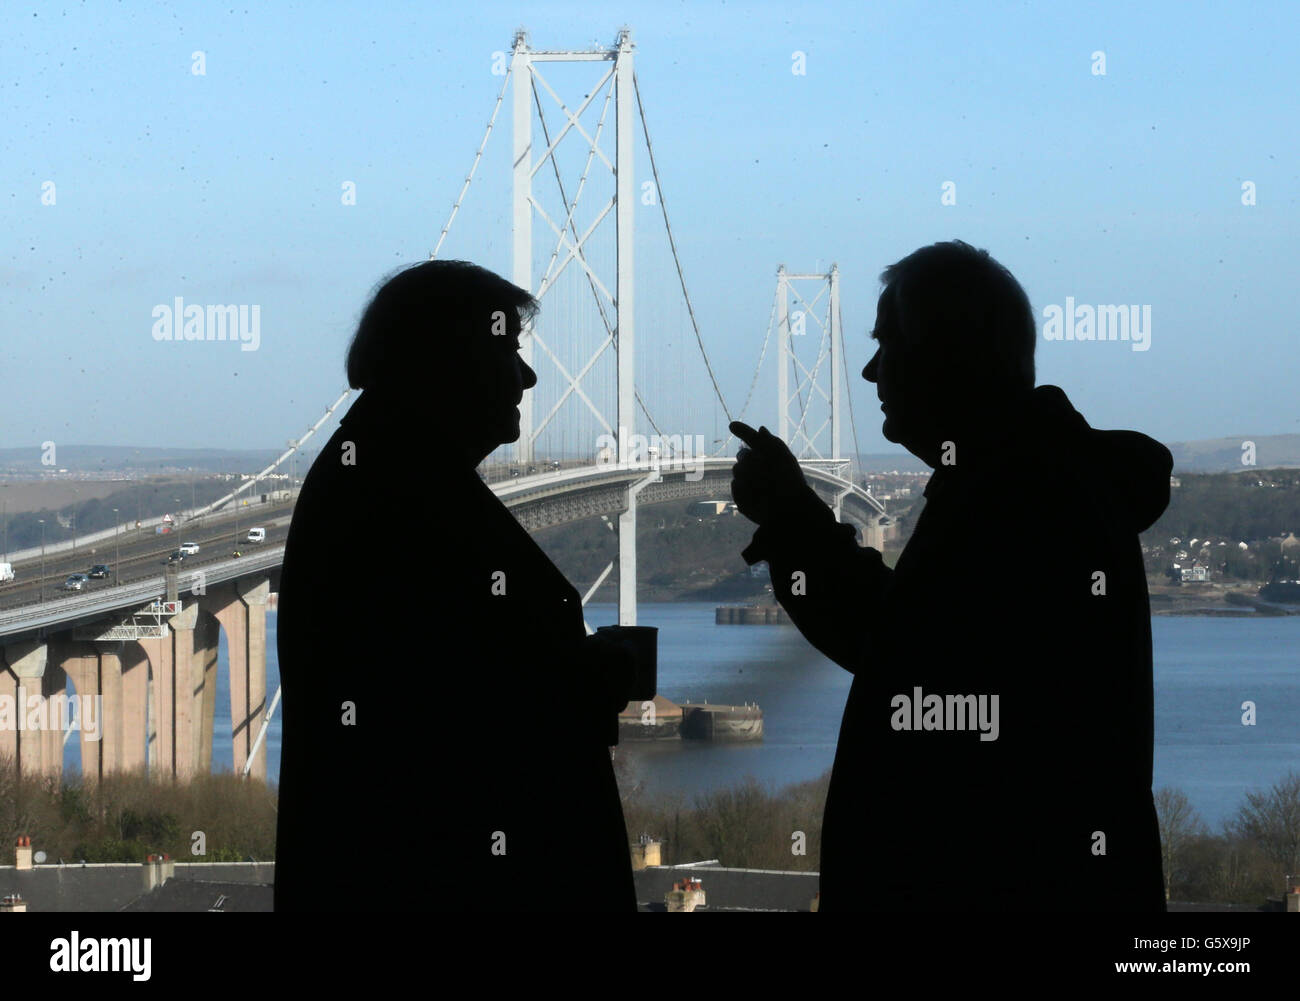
(222, 755)
(801, 693)
(1205, 668)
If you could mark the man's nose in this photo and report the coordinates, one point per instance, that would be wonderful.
(871, 372)
(528, 376)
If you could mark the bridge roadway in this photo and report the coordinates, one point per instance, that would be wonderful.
(556, 498)
(115, 641)
(135, 557)
(543, 500)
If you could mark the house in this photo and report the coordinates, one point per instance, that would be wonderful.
(157, 884)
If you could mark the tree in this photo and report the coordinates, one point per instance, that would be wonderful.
(1179, 825)
(1272, 821)
(735, 823)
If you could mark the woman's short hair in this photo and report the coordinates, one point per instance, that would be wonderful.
(423, 313)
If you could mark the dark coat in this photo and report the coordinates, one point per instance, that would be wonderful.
(995, 593)
(476, 730)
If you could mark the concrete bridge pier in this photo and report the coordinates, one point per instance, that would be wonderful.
(23, 682)
(185, 694)
(133, 668)
(121, 671)
(112, 734)
(874, 534)
(154, 650)
(240, 608)
(144, 703)
(207, 631)
(172, 716)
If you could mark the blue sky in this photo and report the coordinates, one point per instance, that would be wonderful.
(225, 188)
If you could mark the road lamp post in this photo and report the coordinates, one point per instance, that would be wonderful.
(117, 549)
(42, 521)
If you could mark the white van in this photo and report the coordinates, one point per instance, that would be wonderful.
(6, 572)
(257, 535)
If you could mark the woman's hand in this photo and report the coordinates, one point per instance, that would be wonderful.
(610, 668)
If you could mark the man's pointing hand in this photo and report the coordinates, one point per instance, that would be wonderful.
(766, 479)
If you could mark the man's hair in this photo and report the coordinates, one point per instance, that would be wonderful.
(422, 312)
(959, 300)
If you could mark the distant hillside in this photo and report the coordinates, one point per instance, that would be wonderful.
(1211, 455)
(124, 458)
(1223, 455)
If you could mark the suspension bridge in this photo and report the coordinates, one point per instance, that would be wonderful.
(628, 412)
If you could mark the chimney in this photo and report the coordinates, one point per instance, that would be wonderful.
(686, 895)
(157, 870)
(23, 854)
(645, 853)
(12, 904)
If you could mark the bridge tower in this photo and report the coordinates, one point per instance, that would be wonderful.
(796, 330)
(616, 310)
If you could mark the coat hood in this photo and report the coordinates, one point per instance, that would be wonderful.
(1129, 468)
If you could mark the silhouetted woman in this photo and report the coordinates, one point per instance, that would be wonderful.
(445, 716)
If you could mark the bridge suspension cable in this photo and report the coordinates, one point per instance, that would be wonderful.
(573, 228)
(473, 167)
(292, 449)
(771, 323)
(663, 206)
(848, 386)
(672, 243)
(804, 408)
(469, 177)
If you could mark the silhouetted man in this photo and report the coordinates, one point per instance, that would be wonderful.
(446, 719)
(996, 746)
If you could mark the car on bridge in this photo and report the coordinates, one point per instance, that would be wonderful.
(6, 572)
(76, 582)
(189, 548)
(98, 572)
(257, 535)
(176, 557)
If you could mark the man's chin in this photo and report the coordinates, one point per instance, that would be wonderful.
(890, 431)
